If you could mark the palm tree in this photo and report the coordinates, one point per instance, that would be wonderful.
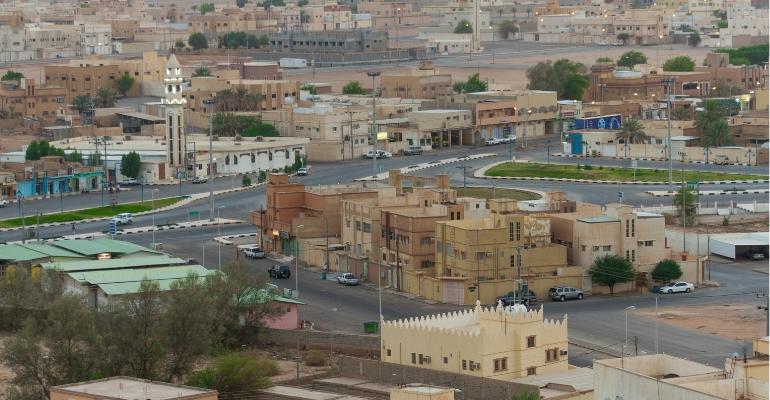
(105, 97)
(81, 104)
(712, 125)
(632, 132)
(240, 99)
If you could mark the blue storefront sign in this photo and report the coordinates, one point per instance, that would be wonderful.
(601, 122)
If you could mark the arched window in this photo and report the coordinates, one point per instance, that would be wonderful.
(235, 160)
(227, 159)
(253, 158)
(270, 155)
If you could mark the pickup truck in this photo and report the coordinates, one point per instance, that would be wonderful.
(123, 219)
(347, 279)
(511, 298)
(279, 271)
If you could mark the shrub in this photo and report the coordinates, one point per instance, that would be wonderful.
(667, 271)
(726, 221)
(246, 180)
(315, 358)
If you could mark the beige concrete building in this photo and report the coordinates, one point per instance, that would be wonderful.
(122, 387)
(26, 99)
(422, 83)
(499, 343)
(274, 94)
(674, 379)
(332, 16)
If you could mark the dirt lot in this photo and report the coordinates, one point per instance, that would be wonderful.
(732, 321)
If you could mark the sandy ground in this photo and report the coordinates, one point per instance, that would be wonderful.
(15, 140)
(732, 321)
(6, 375)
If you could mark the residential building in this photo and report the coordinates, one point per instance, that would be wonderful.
(336, 131)
(441, 43)
(49, 40)
(48, 176)
(499, 343)
(95, 39)
(277, 311)
(421, 83)
(392, 15)
(123, 387)
(124, 28)
(332, 16)
(447, 127)
(272, 94)
(294, 211)
(27, 100)
(747, 77)
(605, 84)
(674, 378)
(82, 78)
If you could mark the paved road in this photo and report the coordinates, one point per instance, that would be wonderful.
(597, 320)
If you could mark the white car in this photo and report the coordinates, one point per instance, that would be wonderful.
(677, 287)
(493, 141)
(302, 172)
(129, 182)
(347, 279)
(123, 219)
(3, 203)
(254, 252)
(384, 154)
(509, 139)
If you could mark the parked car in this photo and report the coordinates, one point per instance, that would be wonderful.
(493, 141)
(123, 219)
(508, 139)
(302, 171)
(129, 182)
(757, 256)
(279, 271)
(3, 203)
(347, 279)
(384, 154)
(677, 287)
(511, 298)
(199, 179)
(254, 252)
(412, 151)
(563, 293)
(722, 159)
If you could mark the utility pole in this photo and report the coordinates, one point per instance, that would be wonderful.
(211, 103)
(478, 267)
(374, 75)
(464, 168)
(667, 82)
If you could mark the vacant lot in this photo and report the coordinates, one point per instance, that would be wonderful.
(732, 321)
(536, 170)
(497, 193)
(87, 213)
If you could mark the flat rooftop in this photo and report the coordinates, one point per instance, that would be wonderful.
(120, 387)
(141, 144)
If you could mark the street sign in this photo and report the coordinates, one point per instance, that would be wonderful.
(620, 195)
(113, 228)
(634, 164)
(194, 214)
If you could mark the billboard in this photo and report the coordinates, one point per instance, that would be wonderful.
(601, 122)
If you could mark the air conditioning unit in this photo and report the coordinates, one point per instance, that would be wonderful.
(426, 359)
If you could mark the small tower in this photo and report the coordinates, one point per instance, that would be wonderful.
(175, 136)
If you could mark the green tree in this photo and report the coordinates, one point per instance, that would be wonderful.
(18, 294)
(130, 165)
(198, 41)
(246, 181)
(353, 87)
(610, 270)
(229, 124)
(82, 104)
(605, 60)
(310, 89)
(513, 10)
(74, 156)
(270, 3)
(464, 26)
(240, 99)
(37, 149)
(472, 85)
(302, 3)
(233, 40)
(179, 44)
(666, 271)
(105, 97)
(680, 114)
(263, 41)
(722, 25)
(71, 338)
(206, 8)
(235, 372)
(749, 55)
(623, 37)
(125, 83)
(260, 129)
(525, 396)
(713, 126)
(724, 88)
(679, 64)
(240, 3)
(631, 58)
(632, 131)
(694, 39)
(12, 76)
(201, 71)
(566, 78)
(507, 29)
(685, 200)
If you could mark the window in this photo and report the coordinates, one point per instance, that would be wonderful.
(501, 364)
(628, 255)
(633, 228)
(414, 358)
(531, 371)
(421, 359)
(595, 248)
(511, 235)
(465, 365)
(518, 231)
(425, 241)
(606, 248)
(388, 352)
(582, 247)
(627, 228)
(446, 360)
(530, 341)
(358, 225)
(633, 255)
(552, 355)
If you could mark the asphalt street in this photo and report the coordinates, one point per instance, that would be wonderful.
(597, 320)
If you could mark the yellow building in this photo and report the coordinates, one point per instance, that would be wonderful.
(491, 254)
(499, 343)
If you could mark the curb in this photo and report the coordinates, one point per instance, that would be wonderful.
(648, 159)
(181, 203)
(176, 226)
(712, 193)
(432, 164)
(226, 239)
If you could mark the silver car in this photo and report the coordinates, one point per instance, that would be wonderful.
(564, 293)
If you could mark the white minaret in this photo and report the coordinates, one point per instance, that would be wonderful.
(175, 136)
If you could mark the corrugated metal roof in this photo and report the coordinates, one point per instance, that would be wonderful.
(51, 251)
(163, 276)
(260, 296)
(115, 263)
(598, 220)
(100, 245)
(15, 252)
(137, 274)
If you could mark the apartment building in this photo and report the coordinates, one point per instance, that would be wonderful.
(27, 100)
(391, 15)
(295, 212)
(95, 39)
(331, 17)
(274, 94)
(422, 83)
(496, 342)
(49, 40)
(446, 127)
(82, 78)
(124, 28)
(332, 41)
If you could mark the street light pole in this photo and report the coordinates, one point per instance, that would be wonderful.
(667, 83)
(211, 102)
(153, 217)
(296, 262)
(219, 244)
(374, 75)
(625, 312)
